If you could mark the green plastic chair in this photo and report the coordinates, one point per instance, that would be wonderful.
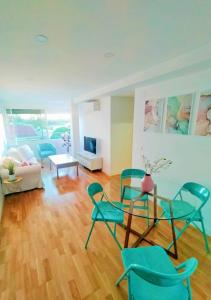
(152, 276)
(202, 194)
(104, 211)
(128, 193)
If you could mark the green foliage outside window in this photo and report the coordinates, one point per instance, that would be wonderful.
(58, 132)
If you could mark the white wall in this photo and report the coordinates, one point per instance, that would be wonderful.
(75, 129)
(97, 124)
(50, 106)
(121, 133)
(191, 154)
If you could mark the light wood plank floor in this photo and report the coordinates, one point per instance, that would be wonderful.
(42, 253)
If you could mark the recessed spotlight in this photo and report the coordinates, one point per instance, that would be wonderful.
(109, 54)
(41, 38)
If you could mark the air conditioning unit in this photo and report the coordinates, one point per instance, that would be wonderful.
(96, 104)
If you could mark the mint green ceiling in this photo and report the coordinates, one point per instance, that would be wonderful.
(140, 33)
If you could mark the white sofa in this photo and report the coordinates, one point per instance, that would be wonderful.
(27, 167)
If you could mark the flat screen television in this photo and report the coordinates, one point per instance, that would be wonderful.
(90, 144)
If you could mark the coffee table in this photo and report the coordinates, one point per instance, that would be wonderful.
(63, 161)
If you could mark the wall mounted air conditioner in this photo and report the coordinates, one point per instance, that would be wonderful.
(95, 103)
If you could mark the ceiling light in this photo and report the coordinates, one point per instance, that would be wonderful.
(109, 54)
(41, 38)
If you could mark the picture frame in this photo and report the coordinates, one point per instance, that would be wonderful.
(178, 114)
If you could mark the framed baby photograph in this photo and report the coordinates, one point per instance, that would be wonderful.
(153, 115)
(178, 114)
(203, 122)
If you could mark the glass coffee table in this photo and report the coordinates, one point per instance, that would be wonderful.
(154, 215)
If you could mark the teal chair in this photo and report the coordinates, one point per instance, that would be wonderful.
(104, 211)
(128, 193)
(45, 149)
(201, 194)
(152, 276)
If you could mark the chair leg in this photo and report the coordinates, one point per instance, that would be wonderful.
(111, 232)
(147, 208)
(189, 288)
(205, 236)
(159, 217)
(115, 229)
(123, 193)
(90, 232)
(122, 277)
(178, 234)
(196, 226)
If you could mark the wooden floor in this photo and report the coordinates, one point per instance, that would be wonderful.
(42, 253)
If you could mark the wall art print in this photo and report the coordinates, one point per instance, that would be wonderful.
(203, 122)
(153, 115)
(178, 114)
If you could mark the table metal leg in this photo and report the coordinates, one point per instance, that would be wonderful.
(127, 235)
(175, 254)
(155, 205)
(57, 172)
(144, 235)
(77, 169)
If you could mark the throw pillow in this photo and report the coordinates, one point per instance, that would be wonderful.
(32, 161)
(25, 164)
(12, 152)
(26, 152)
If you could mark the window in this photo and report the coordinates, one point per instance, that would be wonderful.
(2, 135)
(58, 125)
(32, 124)
(26, 124)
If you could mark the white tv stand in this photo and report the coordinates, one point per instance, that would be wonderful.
(90, 161)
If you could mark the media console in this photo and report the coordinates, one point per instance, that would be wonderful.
(90, 161)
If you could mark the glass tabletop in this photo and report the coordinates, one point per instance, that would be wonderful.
(139, 202)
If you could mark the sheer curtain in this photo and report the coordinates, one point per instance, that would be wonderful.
(2, 135)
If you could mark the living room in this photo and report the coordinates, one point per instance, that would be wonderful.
(104, 121)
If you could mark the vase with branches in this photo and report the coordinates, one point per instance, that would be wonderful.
(152, 167)
(66, 141)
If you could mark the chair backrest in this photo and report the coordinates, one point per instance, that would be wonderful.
(132, 173)
(45, 146)
(161, 279)
(93, 189)
(198, 190)
(128, 174)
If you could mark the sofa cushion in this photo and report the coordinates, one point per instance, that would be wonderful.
(13, 152)
(33, 161)
(26, 152)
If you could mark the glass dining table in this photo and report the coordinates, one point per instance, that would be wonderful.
(153, 215)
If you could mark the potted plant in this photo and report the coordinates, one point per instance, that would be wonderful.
(10, 166)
